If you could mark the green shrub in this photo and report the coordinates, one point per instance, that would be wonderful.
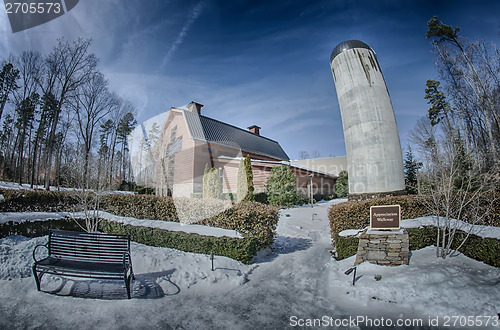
(140, 206)
(212, 186)
(345, 246)
(260, 198)
(342, 185)
(249, 218)
(320, 197)
(281, 187)
(241, 249)
(245, 187)
(195, 210)
(16, 200)
(356, 215)
(39, 228)
(132, 186)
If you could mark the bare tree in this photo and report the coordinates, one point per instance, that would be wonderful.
(91, 104)
(303, 154)
(68, 67)
(471, 72)
(315, 154)
(30, 66)
(455, 190)
(309, 155)
(115, 116)
(88, 203)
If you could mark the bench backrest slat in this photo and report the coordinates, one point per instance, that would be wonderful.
(91, 247)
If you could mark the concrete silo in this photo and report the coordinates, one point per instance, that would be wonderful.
(374, 158)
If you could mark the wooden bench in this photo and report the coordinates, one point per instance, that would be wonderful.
(89, 255)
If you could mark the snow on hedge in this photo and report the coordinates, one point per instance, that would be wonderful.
(478, 230)
(18, 217)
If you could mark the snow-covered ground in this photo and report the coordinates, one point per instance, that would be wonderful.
(295, 283)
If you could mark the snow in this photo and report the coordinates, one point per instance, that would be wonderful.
(478, 230)
(18, 217)
(173, 226)
(431, 285)
(296, 279)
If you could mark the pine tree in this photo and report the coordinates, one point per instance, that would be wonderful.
(342, 184)
(125, 127)
(8, 84)
(205, 181)
(410, 169)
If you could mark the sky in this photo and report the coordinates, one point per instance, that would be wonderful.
(262, 63)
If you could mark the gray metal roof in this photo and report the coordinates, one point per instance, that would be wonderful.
(349, 44)
(210, 130)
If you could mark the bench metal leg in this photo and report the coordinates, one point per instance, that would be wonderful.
(127, 284)
(37, 278)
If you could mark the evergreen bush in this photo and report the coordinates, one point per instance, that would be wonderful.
(356, 215)
(18, 200)
(260, 198)
(140, 206)
(245, 187)
(249, 218)
(342, 185)
(212, 186)
(281, 187)
(241, 249)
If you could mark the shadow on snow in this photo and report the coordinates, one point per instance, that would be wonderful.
(145, 286)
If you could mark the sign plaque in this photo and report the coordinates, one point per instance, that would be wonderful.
(385, 217)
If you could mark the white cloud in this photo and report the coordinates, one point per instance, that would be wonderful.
(197, 10)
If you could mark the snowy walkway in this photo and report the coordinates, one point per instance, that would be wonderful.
(296, 279)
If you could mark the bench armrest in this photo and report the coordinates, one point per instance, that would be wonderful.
(34, 252)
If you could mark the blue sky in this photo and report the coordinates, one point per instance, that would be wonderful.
(259, 62)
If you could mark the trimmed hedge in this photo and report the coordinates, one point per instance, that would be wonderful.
(345, 246)
(356, 215)
(38, 228)
(249, 218)
(254, 220)
(140, 206)
(241, 249)
(486, 250)
(16, 200)
(195, 210)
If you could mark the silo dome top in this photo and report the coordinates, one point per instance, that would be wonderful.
(349, 44)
